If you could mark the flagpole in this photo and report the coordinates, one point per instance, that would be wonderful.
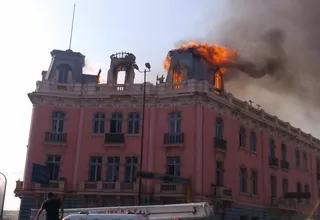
(71, 32)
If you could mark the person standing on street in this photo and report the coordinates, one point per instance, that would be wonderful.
(52, 206)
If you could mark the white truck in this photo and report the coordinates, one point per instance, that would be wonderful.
(182, 211)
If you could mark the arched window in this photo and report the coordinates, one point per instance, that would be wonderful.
(242, 137)
(253, 142)
(219, 128)
(175, 123)
(57, 119)
(99, 123)
(116, 123)
(134, 123)
(63, 72)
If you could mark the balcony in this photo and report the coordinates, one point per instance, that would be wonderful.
(54, 186)
(168, 189)
(285, 165)
(114, 139)
(173, 139)
(273, 162)
(222, 193)
(284, 204)
(108, 187)
(220, 144)
(55, 138)
(129, 187)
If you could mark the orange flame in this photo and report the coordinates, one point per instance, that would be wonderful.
(176, 78)
(213, 54)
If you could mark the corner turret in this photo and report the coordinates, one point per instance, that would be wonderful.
(121, 62)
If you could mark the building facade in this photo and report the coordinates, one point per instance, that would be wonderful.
(88, 134)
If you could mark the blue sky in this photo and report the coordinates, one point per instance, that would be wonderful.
(30, 29)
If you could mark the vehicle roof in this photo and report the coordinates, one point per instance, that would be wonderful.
(105, 215)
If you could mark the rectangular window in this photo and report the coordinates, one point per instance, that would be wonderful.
(219, 173)
(297, 158)
(318, 165)
(243, 179)
(306, 189)
(63, 76)
(173, 166)
(116, 123)
(175, 123)
(98, 127)
(253, 142)
(99, 123)
(53, 165)
(243, 217)
(299, 190)
(272, 148)
(283, 152)
(57, 125)
(133, 123)
(95, 168)
(130, 169)
(113, 169)
(273, 186)
(305, 161)
(285, 186)
(254, 182)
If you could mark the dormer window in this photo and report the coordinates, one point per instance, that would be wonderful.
(177, 76)
(63, 73)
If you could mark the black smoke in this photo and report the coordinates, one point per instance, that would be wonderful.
(279, 48)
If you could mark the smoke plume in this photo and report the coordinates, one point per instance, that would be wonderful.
(279, 47)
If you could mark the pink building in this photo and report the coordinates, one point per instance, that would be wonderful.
(240, 158)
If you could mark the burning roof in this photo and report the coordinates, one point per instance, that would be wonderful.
(213, 54)
(221, 57)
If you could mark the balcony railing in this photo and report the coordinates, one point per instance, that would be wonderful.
(173, 138)
(100, 186)
(285, 164)
(53, 137)
(54, 185)
(114, 138)
(273, 161)
(220, 192)
(169, 188)
(284, 204)
(220, 144)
